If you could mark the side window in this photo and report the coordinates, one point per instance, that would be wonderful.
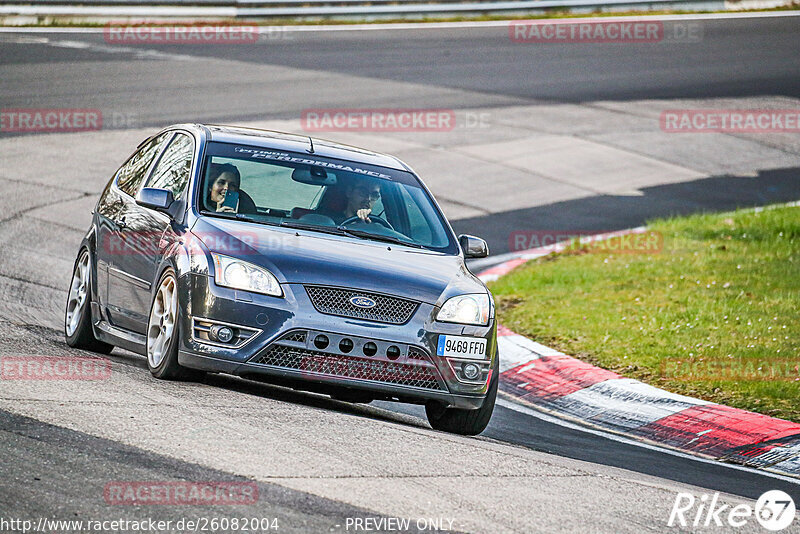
(130, 176)
(173, 169)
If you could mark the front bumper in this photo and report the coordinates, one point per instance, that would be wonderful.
(277, 343)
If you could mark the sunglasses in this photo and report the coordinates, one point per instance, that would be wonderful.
(373, 195)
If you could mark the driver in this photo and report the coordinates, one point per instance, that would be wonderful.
(360, 196)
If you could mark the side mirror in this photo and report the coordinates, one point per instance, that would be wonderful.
(155, 199)
(473, 247)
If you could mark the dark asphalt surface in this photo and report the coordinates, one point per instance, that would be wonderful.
(735, 58)
(57, 473)
(747, 57)
(486, 60)
(544, 436)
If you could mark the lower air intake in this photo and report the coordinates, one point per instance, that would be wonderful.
(317, 363)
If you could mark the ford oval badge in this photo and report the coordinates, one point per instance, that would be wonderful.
(362, 302)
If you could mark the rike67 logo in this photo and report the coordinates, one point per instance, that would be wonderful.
(774, 510)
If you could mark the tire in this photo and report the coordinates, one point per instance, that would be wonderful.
(465, 422)
(78, 312)
(164, 332)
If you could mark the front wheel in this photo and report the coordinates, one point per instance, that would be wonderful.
(465, 422)
(163, 332)
(78, 314)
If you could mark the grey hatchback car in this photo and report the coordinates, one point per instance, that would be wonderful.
(290, 260)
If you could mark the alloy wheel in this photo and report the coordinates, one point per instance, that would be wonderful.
(78, 290)
(161, 326)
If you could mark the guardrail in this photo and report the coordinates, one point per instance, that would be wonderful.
(309, 8)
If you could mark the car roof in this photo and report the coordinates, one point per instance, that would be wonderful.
(299, 143)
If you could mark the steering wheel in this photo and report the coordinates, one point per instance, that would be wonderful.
(379, 220)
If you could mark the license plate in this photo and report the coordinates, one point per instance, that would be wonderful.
(460, 346)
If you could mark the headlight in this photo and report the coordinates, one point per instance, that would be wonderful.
(237, 274)
(466, 309)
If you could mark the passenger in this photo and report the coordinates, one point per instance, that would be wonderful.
(222, 178)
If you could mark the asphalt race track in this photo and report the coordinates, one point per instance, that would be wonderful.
(548, 137)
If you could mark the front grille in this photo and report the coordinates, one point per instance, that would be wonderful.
(417, 375)
(336, 301)
(299, 336)
(416, 354)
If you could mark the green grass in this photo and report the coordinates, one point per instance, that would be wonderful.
(725, 290)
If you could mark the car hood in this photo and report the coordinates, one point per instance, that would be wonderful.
(307, 257)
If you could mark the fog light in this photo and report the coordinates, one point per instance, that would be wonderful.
(321, 341)
(346, 345)
(393, 352)
(220, 333)
(370, 348)
(471, 371)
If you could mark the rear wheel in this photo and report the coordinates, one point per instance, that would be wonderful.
(465, 422)
(78, 314)
(163, 332)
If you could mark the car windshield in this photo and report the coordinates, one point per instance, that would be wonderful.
(316, 193)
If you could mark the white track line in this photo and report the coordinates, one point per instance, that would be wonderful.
(629, 441)
(138, 53)
(436, 25)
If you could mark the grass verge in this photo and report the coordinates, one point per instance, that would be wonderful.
(715, 314)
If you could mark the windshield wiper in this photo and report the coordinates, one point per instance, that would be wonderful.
(239, 217)
(379, 237)
(343, 230)
(314, 228)
(228, 215)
